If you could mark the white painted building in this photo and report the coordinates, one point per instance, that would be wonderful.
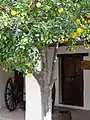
(33, 95)
(85, 78)
(33, 104)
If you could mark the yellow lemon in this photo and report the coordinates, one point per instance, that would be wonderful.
(62, 40)
(86, 47)
(60, 11)
(13, 13)
(29, 74)
(73, 49)
(26, 22)
(73, 42)
(66, 39)
(89, 21)
(79, 30)
(82, 19)
(88, 15)
(28, 64)
(75, 35)
(38, 5)
(3, 69)
(7, 9)
(78, 21)
(48, 8)
(83, 26)
(6, 70)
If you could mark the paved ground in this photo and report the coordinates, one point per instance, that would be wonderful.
(20, 115)
(75, 115)
(15, 115)
(80, 115)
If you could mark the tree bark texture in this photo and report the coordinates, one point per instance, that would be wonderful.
(46, 84)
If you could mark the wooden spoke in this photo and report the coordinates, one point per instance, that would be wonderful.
(9, 97)
(10, 102)
(9, 89)
(11, 84)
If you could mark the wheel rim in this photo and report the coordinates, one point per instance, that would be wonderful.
(11, 94)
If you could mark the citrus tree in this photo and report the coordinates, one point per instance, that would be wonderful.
(28, 27)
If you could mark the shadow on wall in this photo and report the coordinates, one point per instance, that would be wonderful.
(53, 97)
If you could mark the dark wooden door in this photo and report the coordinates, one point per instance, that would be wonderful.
(72, 81)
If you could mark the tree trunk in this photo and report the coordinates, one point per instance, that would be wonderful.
(46, 100)
(46, 84)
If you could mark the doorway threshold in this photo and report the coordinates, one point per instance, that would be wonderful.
(72, 107)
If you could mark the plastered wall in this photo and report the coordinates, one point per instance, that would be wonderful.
(86, 73)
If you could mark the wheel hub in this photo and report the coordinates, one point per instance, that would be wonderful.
(15, 92)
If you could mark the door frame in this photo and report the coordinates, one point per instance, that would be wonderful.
(60, 75)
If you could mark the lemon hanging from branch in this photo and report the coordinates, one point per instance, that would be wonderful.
(28, 64)
(88, 15)
(48, 8)
(75, 35)
(29, 74)
(5, 69)
(82, 19)
(38, 5)
(13, 13)
(79, 30)
(89, 21)
(73, 48)
(86, 46)
(7, 9)
(78, 21)
(60, 10)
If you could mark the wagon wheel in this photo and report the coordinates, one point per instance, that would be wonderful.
(11, 94)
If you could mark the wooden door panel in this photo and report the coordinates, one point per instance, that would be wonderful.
(72, 82)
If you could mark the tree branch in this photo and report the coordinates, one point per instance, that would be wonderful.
(53, 62)
(16, 32)
(39, 76)
(53, 81)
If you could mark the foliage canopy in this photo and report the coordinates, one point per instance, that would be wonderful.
(27, 27)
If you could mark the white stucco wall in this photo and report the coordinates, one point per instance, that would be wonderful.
(3, 79)
(87, 86)
(33, 95)
(33, 99)
(62, 50)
